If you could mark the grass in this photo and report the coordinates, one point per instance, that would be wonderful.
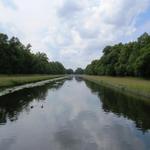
(14, 80)
(130, 85)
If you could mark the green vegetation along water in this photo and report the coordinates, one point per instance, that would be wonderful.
(17, 58)
(14, 80)
(127, 85)
(129, 59)
(30, 85)
(73, 114)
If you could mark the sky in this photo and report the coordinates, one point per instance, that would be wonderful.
(74, 32)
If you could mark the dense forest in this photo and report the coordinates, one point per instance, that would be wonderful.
(16, 58)
(130, 59)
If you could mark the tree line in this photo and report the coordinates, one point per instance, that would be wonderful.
(16, 58)
(130, 59)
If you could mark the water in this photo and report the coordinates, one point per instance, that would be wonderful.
(73, 115)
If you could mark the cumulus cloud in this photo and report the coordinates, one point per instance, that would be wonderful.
(73, 32)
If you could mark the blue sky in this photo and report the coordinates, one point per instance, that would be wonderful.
(74, 32)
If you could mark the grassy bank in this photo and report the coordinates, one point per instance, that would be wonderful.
(127, 85)
(14, 80)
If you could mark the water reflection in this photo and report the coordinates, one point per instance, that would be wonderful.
(122, 105)
(78, 79)
(12, 104)
(75, 134)
(72, 115)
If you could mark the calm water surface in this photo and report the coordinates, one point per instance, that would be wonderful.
(73, 115)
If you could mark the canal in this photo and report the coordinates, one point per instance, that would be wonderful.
(73, 114)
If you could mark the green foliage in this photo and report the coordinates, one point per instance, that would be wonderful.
(131, 59)
(79, 71)
(69, 71)
(15, 58)
(14, 80)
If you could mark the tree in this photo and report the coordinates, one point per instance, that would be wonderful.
(142, 65)
(130, 59)
(16, 58)
(79, 71)
(69, 71)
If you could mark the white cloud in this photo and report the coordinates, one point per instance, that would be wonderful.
(73, 32)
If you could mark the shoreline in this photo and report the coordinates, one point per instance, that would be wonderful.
(29, 85)
(10, 81)
(126, 85)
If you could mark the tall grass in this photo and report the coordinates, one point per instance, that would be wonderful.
(137, 86)
(13, 80)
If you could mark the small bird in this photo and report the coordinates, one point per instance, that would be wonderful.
(31, 107)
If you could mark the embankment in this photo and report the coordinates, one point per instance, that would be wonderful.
(15, 80)
(128, 85)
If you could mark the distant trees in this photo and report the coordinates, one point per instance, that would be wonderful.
(79, 71)
(131, 59)
(69, 71)
(15, 58)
